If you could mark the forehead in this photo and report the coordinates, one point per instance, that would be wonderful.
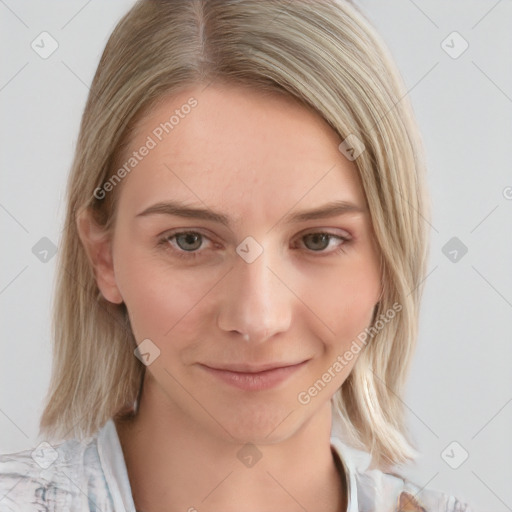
(236, 149)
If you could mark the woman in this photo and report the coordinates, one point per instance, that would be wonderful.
(238, 272)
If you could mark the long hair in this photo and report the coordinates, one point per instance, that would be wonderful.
(327, 55)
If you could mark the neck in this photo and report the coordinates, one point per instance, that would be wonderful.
(173, 466)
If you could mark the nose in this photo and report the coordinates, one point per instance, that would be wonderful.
(256, 300)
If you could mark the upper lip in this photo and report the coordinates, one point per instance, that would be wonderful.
(250, 368)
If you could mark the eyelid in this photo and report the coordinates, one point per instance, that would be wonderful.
(328, 231)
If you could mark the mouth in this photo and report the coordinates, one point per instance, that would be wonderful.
(254, 378)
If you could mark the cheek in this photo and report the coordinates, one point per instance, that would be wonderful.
(344, 299)
(163, 300)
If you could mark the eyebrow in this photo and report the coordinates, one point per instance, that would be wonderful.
(176, 208)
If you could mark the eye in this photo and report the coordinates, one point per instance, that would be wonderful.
(184, 244)
(188, 241)
(319, 241)
(190, 244)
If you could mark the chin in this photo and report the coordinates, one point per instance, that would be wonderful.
(261, 424)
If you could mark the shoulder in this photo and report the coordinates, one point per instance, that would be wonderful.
(52, 478)
(399, 493)
(374, 489)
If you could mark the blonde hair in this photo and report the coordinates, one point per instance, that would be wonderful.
(329, 57)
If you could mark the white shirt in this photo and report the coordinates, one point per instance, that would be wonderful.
(91, 476)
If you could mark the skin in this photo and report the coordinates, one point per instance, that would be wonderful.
(254, 157)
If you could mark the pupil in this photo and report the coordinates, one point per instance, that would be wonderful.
(189, 238)
(322, 239)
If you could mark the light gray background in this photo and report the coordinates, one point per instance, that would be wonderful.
(460, 386)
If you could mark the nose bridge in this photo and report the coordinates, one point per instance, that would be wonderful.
(258, 304)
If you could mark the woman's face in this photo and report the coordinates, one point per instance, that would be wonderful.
(242, 173)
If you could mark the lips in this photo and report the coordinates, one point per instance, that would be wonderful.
(245, 368)
(253, 377)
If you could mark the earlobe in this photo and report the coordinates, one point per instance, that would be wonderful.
(98, 247)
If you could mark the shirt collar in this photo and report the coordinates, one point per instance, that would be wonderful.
(114, 467)
(345, 455)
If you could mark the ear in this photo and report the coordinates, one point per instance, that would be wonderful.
(98, 246)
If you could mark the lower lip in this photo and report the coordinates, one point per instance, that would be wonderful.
(255, 381)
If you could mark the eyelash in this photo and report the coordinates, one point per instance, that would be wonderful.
(192, 255)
